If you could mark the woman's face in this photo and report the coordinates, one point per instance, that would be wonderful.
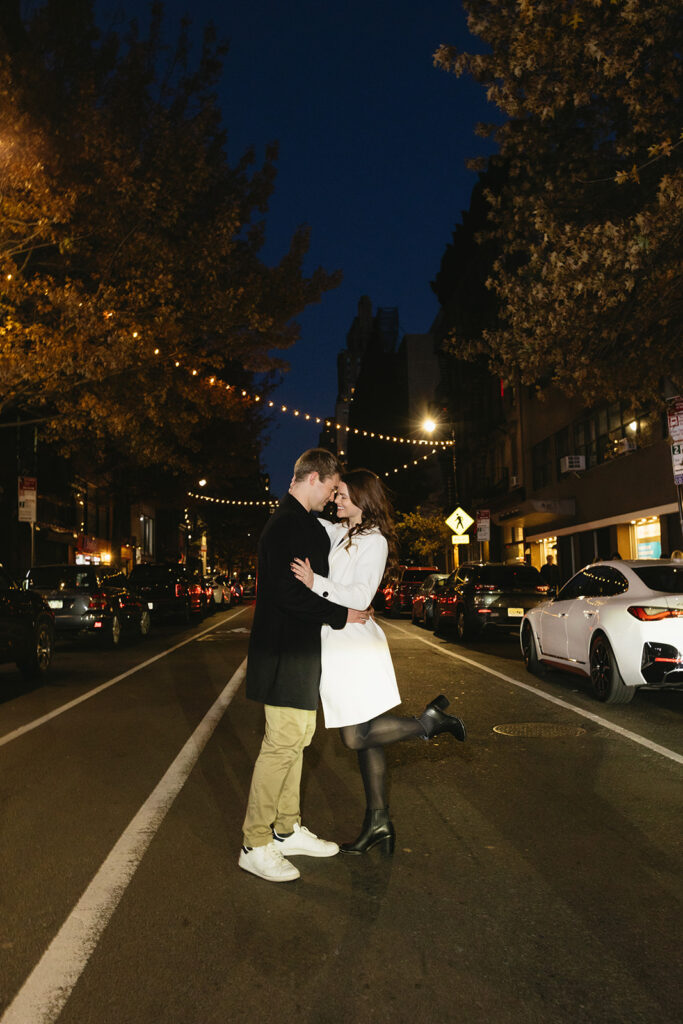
(345, 507)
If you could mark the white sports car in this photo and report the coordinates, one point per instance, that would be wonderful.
(619, 623)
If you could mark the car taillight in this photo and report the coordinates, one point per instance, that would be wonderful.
(97, 603)
(485, 586)
(543, 588)
(195, 588)
(653, 613)
(179, 590)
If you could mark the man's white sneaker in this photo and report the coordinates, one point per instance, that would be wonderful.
(304, 842)
(267, 862)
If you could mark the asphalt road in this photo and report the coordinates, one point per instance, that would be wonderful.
(536, 878)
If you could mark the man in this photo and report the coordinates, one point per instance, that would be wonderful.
(550, 573)
(283, 669)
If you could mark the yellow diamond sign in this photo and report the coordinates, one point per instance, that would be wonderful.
(459, 521)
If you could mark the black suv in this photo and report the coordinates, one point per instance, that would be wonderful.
(26, 629)
(90, 600)
(169, 589)
(487, 595)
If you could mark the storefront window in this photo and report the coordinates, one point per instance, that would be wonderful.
(648, 538)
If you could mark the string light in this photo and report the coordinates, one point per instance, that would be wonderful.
(309, 417)
(409, 465)
(244, 502)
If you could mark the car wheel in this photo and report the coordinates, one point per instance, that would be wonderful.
(413, 617)
(114, 631)
(462, 630)
(606, 681)
(437, 625)
(36, 665)
(185, 614)
(429, 619)
(529, 650)
(145, 622)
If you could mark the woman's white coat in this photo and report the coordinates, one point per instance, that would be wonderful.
(357, 681)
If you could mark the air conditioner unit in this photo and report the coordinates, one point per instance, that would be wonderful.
(572, 463)
(624, 445)
(514, 481)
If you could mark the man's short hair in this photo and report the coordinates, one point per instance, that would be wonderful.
(317, 460)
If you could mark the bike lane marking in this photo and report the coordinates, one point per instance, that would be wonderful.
(36, 722)
(656, 748)
(45, 992)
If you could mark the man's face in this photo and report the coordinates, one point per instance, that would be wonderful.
(323, 491)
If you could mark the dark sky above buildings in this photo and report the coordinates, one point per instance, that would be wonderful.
(373, 142)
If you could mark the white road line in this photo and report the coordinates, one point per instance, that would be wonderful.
(626, 733)
(46, 990)
(16, 733)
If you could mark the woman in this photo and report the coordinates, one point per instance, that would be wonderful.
(358, 684)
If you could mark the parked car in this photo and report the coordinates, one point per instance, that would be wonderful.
(208, 603)
(398, 591)
(423, 599)
(170, 590)
(237, 591)
(27, 629)
(90, 600)
(481, 596)
(222, 593)
(620, 623)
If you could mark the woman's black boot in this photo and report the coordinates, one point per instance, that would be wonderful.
(376, 829)
(434, 720)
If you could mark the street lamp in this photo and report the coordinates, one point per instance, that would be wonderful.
(429, 425)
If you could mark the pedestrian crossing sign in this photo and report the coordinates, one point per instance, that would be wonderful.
(459, 521)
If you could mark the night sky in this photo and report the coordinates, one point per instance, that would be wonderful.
(373, 142)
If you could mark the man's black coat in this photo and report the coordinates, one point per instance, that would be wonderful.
(284, 649)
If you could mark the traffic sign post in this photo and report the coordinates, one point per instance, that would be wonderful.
(459, 522)
(675, 418)
(28, 506)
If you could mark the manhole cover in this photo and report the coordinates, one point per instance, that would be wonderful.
(539, 729)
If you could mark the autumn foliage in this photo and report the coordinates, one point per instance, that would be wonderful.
(586, 221)
(132, 289)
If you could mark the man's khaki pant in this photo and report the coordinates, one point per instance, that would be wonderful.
(275, 784)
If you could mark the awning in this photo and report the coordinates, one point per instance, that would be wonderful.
(597, 524)
(535, 512)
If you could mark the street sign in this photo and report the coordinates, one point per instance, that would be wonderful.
(460, 538)
(459, 521)
(675, 417)
(677, 462)
(28, 499)
(484, 524)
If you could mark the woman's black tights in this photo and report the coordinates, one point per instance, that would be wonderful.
(369, 740)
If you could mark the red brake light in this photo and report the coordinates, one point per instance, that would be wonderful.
(543, 588)
(485, 586)
(653, 613)
(97, 602)
(179, 590)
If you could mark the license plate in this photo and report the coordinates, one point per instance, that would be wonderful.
(56, 604)
(515, 613)
(150, 605)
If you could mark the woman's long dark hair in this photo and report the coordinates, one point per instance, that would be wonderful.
(367, 491)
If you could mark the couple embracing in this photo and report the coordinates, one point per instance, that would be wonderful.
(314, 636)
